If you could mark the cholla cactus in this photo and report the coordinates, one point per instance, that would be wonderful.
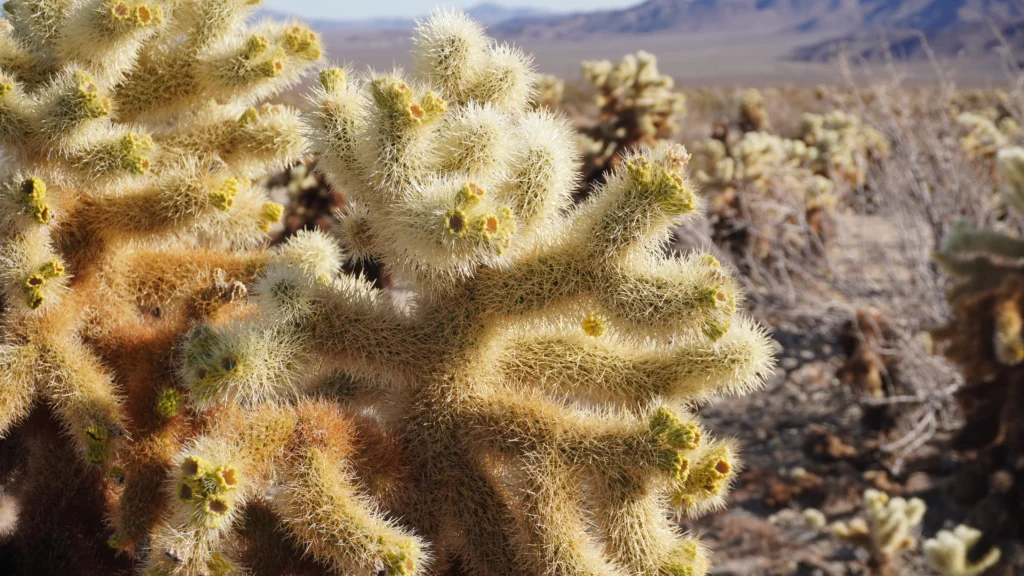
(311, 202)
(526, 412)
(767, 207)
(550, 92)
(753, 114)
(131, 133)
(544, 352)
(985, 339)
(841, 147)
(981, 138)
(637, 107)
(886, 530)
(947, 553)
(987, 122)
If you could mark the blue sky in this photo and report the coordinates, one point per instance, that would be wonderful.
(358, 9)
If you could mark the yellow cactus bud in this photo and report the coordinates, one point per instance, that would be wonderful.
(168, 403)
(594, 325)
(302, 42)
(98, 444)
(455, 223)
(34, 191)
(93, 104)
(433, 106)
(223, 197)
(332, 79)
(270, 214)
(256, 44)
(470, 195)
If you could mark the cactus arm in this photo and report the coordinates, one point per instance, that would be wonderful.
(243, 68)
(18, 381)
(15, 58)
(710, 474)
(504, 79)
(250, 141)
(443, 229)
(181, 198)
(104, 36)
(111, 158)
(38, 22)
(527, 424)
(336, 120)
(656, 296)
(71, 103)
(268, 60)
(642, 539)
(638, 204)
(340, 527)
(542, 174)
(84, 398)
(448, 54)
(648, 294)
(16, 117)
(550, 516)
(399, 148)
(613, 371)
(963, 238)
(360, 328)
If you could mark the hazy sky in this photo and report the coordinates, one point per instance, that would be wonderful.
(358, 9)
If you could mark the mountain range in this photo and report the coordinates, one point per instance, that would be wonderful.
(949, 26)
(489, 14)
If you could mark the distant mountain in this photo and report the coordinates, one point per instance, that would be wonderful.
(908, 29)
(690, 16)
(952, 26)
(488, 14)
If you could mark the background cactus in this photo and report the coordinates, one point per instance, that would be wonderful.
(774, 199)
(948, 553)
(550, 92)
(886, 530)
(767, 207)
(637, 106)
(984, 338)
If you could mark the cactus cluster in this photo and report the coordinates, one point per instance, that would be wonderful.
(985, 339)
(886, 530)
(766, 206)
(948, 553)
(841, 147)
(754, 115)
(550, 92)
(984, 135)
(638, 106)
(525, 406)
(309, 202)
(774, 198)
(986, 121)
